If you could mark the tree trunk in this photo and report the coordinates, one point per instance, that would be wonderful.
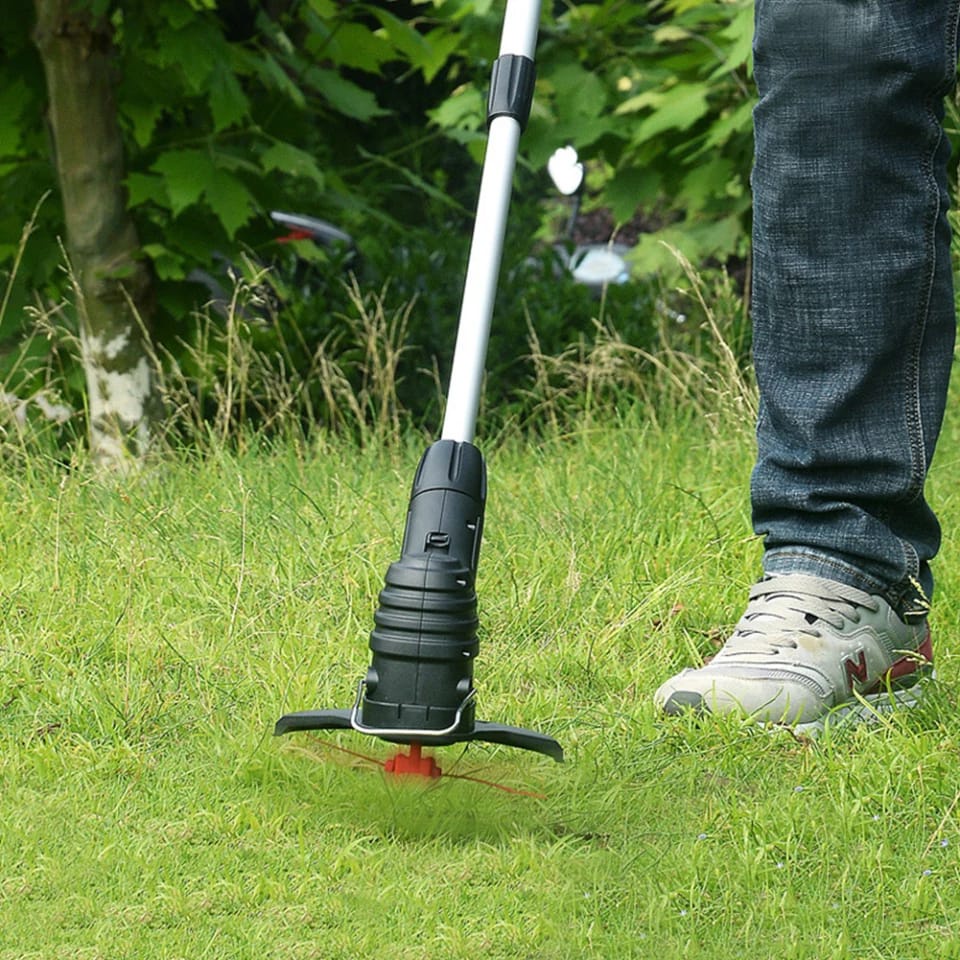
(111, 277)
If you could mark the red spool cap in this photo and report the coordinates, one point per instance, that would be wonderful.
(413, 763)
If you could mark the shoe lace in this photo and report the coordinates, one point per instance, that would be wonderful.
(783, 606)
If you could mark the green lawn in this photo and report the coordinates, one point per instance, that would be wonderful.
(154, 629)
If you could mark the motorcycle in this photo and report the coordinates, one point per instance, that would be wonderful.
(296, 271)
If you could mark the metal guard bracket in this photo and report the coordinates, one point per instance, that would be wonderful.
(412, 733)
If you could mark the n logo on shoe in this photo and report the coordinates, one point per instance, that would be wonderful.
(856, 670)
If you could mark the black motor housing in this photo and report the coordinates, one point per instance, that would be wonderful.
(424, 639)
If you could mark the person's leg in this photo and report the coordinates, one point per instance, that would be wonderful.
(853, 321)
(853, 311)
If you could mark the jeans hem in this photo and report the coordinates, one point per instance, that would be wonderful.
(909, 598)
(813, 563)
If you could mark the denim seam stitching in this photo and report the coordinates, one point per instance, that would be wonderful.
(915, 421)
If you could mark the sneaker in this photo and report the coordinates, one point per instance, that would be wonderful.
(805, 650)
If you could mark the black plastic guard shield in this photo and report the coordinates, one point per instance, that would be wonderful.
(482, 731)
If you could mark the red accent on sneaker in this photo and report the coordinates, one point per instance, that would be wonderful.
(856, 670)
(298, 233)
(913, 661)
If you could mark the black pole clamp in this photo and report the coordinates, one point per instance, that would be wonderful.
(511, 88)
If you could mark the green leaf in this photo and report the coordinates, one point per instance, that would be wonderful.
(143, 119)
(730, 123)
(244, 162)
(631, 188)
(638, 102)
(275, 75)
(705, 181)
(653, 254)
(577, 98)
(418, 183)
(344, 96)
(442, 46)
(12, 95)
(464, 109)
(580, 93)
(175, 12)
(293, 161)
(186, 175)
(675, 109)
(144, 188)
(670, 33)
(696, 241)
(230, 200)
(195, 50)
(357, 46)
(404, 36)
(167, 264)
(427, 52)
(739, 34)
(190, 175)
(228, 103)
(326, 9)
(682, 6)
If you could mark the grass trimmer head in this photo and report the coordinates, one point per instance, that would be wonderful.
(419, 687)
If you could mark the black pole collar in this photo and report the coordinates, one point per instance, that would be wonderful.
(511, 88)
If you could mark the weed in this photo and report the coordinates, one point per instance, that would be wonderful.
(702, 368)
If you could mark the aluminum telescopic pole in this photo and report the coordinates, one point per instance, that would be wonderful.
(517, 44)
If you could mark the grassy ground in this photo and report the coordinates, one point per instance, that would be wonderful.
(153, 630)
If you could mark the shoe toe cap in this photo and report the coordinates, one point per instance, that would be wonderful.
(697, 692)
(684, 701)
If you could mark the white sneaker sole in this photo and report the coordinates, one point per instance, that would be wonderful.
(866, 709)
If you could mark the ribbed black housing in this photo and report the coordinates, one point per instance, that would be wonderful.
(425, 636)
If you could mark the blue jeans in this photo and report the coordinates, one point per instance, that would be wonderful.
(853, 309)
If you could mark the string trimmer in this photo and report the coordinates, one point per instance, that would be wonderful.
(419, 688)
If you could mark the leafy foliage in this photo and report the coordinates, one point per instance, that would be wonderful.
(229, 110)
(657, 97)
(371, 116)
